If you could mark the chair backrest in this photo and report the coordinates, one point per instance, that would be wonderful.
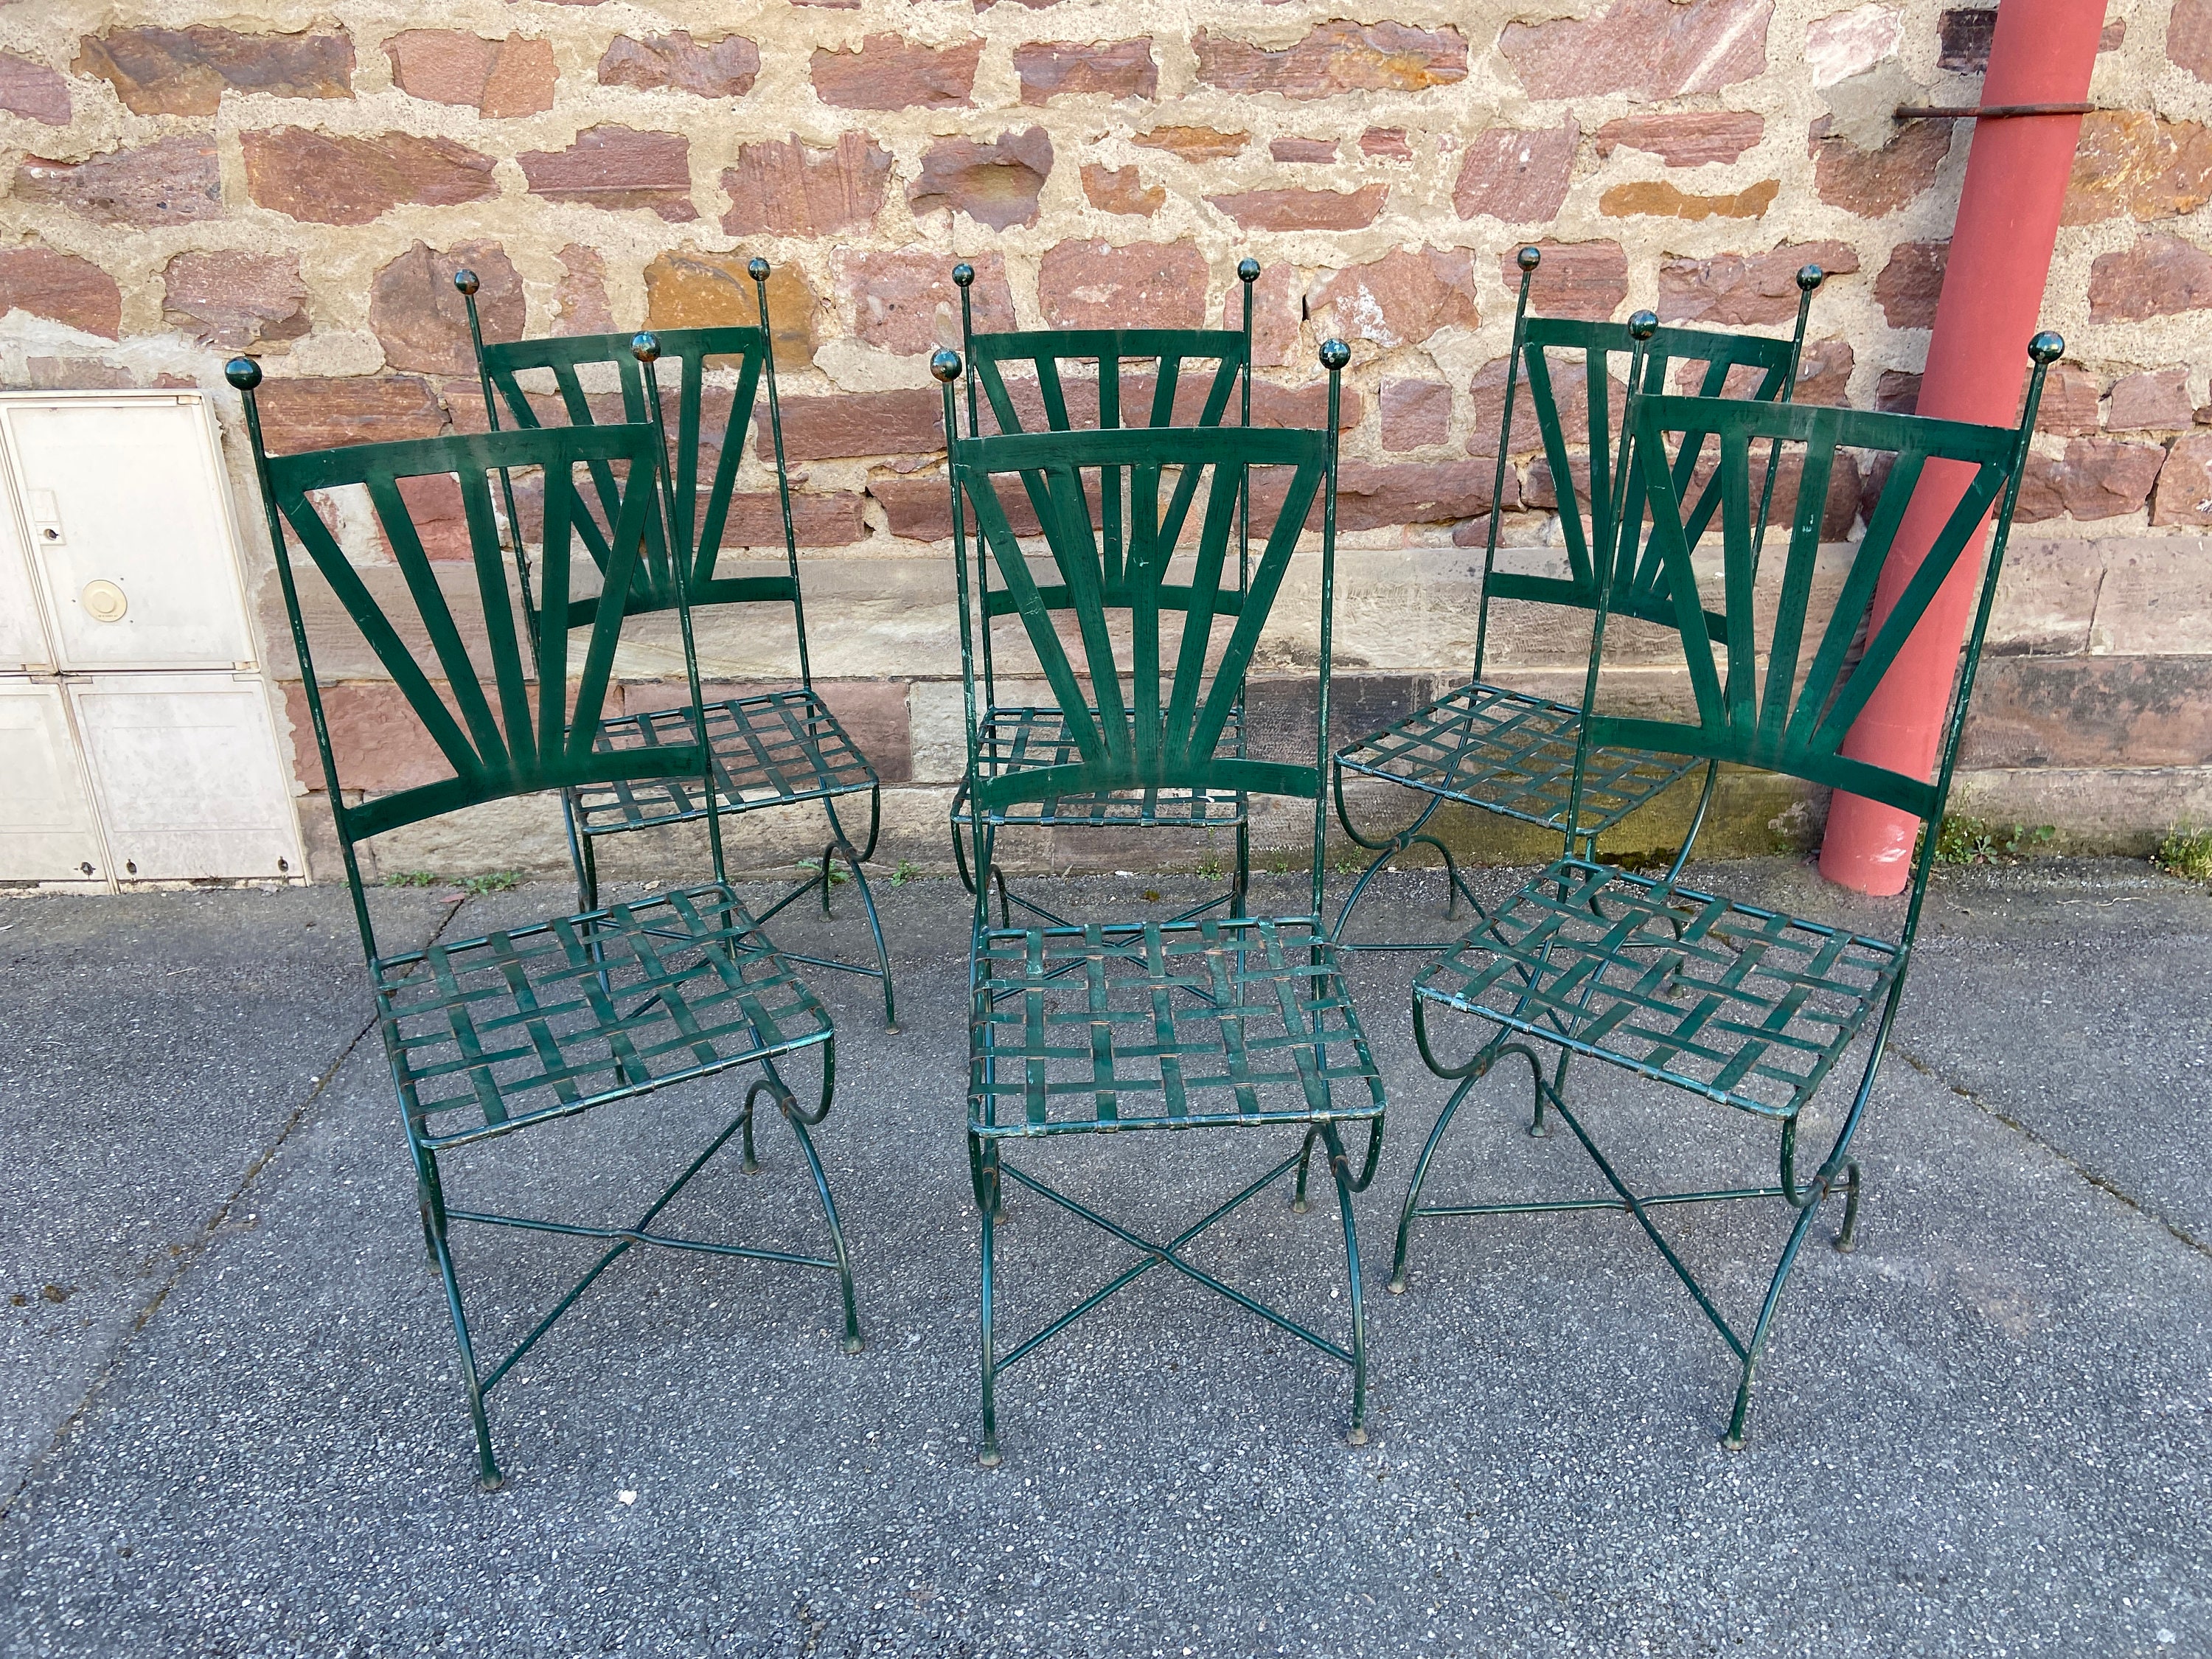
(1144, 710)
(1780, 683)
(504, 725)
(1045, 350)
(695, 530)
(1606, 533)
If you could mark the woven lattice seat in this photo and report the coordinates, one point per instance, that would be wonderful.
(1164, 1025)
(1740, 1005)
(1015, 740)
(771, 750)
(1514, 754)
(501, 1030)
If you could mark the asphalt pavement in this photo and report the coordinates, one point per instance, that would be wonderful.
(232, 1422)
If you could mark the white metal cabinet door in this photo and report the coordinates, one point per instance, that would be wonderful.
(22, 635)
(123, 500)
(47, 831)
(184, 770)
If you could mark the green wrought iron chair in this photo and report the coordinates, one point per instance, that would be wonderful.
(1024, 737)
(488, 1037)
(772, 749)
(1737, 1005)
(1113, 1027)
(1511, 752)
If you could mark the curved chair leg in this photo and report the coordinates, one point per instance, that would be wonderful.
(581, 857)
(1341, 1167)
(1732, 1440)
(851, 1342)
(1386, 850)
(988, 1455)
(856, 859)
(1472, 1075)
(1243, 877)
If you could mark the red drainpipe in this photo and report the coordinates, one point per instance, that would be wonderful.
(2000, 257)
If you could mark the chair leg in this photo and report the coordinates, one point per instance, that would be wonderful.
(1397, 1281)
(987, 1455)
(432, 1196)
(868, 895)
(1387, 850)
(1243, 870)
(851, 1342)
(1341, 1167)
(580, 856)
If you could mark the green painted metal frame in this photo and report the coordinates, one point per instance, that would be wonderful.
(1116, 1027)
(1021, 738)
(487, 1036)
(774, 749)
(1738, 1005)
(1512, 753)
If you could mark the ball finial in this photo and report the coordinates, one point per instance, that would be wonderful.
(945, 365)
(1529, 257)
(2047, 348)
(963, 273)
(645, 346)
(1335, 354)
(756, 268)
(243, 373)
(1247, 271)
(465, 280)
(1643, 325)
(1810, 277)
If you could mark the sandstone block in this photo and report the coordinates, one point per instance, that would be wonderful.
(2159, 276)
(1911, 283)
(888, 72)
(580, 302)
(1516, 175)
(171, 182)
(1112, 69)
(1303, 209)
(1401, 299)
(725, 66)
(1730, 290)
(377, 742)
(618, 168)
(1873, 183)
(2096, 478)
(1121, 190)
(322, 411)
(1653, 48)
(2100, 711)
(1321, 150)
(158, 71)
(1684, 141)
(1415, 413)
(2184, 483)
(323, 180)
(421, 321)
(848, 424)
(232, 301)
(1372, 497)
(1278, 315)
(1962, 40)
(904, 300)
(2159, 398)
(46, 283)
(1576, 279)
(686, 288)
(2137, 161)
(33, 90)
(1386, 144)
(2189, 37)
(1824, 372)
(1657, 199)
(996, 183)
(512, 76)
(797, 189)
(1897, 391)
(1194, 144)
(2069, 401)
(757, 517)
(1137, 285)
(1336, 57)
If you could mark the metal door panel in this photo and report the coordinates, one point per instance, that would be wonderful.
(47, 831)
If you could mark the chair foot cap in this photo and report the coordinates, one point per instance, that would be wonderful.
(988, 1458)
(851, 1345)
(1358, 1436)
(1732, 1443)
(492, 1484)
(1397, 1286)
(1299, 1207)
(1538, 1132)
(892, 1031)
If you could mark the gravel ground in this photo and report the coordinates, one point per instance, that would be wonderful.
(238, 1431)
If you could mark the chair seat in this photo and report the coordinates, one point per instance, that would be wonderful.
(1014, 740)
(769, 749)
(1514, 754)
(543, 1021)
(1742, 1005)
(1164, 1025)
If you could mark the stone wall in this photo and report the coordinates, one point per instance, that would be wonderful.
(301, 181)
